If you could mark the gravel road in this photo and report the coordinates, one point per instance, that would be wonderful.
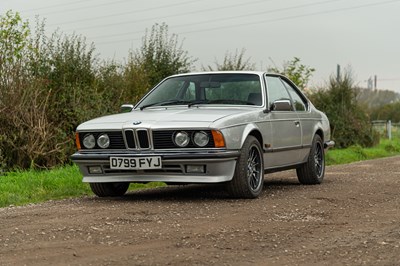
(353, 218)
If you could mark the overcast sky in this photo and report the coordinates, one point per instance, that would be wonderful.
(363, 34)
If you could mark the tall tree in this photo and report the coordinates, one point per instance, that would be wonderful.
(161, 55)
(300, 74)
(232, 61)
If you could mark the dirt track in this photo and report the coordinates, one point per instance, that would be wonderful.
(353, 218)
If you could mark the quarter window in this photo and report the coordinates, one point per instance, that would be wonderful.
(298, 102)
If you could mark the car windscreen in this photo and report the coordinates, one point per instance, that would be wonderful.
(236, 89)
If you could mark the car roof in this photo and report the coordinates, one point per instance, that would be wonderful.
(259, 73)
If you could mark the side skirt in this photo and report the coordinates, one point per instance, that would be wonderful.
(282, 168)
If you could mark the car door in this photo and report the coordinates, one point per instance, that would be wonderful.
(307, 121)
(285, 126)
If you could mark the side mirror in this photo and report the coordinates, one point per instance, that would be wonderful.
(281, 105)
(126, 108)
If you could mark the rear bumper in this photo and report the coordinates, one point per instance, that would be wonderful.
(329, 144)
(218, 167)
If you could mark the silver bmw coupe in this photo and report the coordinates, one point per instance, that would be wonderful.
(209, 127)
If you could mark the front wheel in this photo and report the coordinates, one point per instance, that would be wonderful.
(248, 179)
(109, 189)
(313, 171)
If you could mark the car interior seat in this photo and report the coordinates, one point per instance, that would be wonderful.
(255, 98)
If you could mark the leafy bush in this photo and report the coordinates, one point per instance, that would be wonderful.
(375, 99)
(350, 124)
(387, 112)
(45, 85)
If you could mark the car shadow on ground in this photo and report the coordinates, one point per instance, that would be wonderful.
(201, 192)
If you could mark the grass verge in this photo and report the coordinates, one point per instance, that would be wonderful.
(385, 148)
(33, 186)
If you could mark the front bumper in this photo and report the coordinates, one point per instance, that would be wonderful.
(219, 166)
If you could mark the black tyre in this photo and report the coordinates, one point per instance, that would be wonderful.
(109, 189)
(248, 179)
(312, 172)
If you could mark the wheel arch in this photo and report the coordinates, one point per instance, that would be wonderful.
(308, 140)
(252, 130)
(319, 132)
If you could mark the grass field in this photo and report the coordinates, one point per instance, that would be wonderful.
(33, 186)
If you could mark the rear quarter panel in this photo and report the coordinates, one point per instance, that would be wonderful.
(312, 122)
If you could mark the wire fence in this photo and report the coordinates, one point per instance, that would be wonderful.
(387, 129)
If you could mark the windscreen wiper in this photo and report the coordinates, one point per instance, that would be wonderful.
(169, 102)
(230, 101)
(197, 102)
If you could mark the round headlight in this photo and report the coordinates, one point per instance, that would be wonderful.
(201, 138)
(181, 139)
(89, 141)
(103, 141)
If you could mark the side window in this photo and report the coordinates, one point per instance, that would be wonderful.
(276, 90)
(298, 101)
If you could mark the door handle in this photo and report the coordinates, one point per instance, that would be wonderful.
(297, 123)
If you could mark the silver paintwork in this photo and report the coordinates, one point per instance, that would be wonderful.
(285, 137)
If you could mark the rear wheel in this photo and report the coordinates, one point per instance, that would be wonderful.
(248, 179)
(109, 189)
(312, 172)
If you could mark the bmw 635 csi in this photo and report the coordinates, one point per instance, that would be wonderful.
(209, 127)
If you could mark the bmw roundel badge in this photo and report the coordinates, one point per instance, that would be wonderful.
(137, 122)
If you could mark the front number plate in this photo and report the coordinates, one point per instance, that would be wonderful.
(140, 163)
